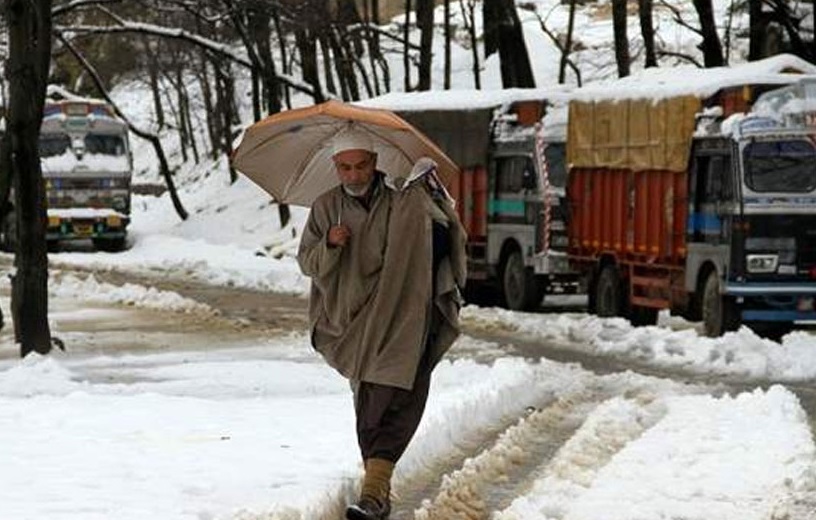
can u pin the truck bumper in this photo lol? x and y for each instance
(786, 302)
(61, 228)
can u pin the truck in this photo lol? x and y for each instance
(700, 202)
(510, 146)
(87, 168)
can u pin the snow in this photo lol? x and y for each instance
(80, 213)
(224, 425)
(90, 163)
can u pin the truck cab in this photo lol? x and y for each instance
(87, 168)
(526, 225)
(752, 221)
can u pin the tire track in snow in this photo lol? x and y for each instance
(494, 477)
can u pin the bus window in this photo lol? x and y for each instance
(104, 144)
(52, 145)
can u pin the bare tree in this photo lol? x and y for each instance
(619, 21)
(448, 36)
(29, 33)
(567, 49)
(425, 22)
(469, 14)
(503, 34)
(406, 53)
(711, 46)
(647, 31)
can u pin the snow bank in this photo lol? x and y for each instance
(88, 289)
(740, 353)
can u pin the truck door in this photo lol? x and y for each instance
(513, 207)
(712, 196)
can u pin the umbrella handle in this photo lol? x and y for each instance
(340, 213)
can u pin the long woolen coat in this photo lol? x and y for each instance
(371, 301)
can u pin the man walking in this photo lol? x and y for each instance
(386, 259)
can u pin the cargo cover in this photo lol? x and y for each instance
(632, 134)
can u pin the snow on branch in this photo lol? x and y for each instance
(77, 4)
(179, 34)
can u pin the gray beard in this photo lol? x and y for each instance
(357, 192)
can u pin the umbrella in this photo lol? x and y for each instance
(289, 154)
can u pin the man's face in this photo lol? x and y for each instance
(355, 168)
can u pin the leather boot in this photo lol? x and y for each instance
(375, 500)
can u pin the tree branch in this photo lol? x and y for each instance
(179, 34)
(78, 4)
(678, 18)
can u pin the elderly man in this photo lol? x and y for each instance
(386, 265)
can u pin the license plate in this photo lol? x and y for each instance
(805, 304)
(83, 230)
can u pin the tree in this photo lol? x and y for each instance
(619, 22)
(469, 14)
(447, 79)
(29, 36)
(425, 22)
(503, 34)
(711, 46)
(647, 31)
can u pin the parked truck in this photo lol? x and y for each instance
(87, 168)
(702, 203)
(511, 187)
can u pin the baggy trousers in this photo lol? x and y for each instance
(388, 417)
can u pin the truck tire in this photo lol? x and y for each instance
(720, 313)
(608, 293)
(520, 288)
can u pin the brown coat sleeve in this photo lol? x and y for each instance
(315, 257)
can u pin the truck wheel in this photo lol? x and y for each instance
(520, 288)
(720, 313)
(608, 294)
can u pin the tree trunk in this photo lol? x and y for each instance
(711, 46)
(756, 31)
(29, 39)
(155, 88)
(562, 67)
(621, 39)
(448, 36)
(469, 14)
(425, 22)
(261, 34)
(406, 56)
(647, 31)
(328, 74)
(287, 69)
(503, 33)
(307, 47)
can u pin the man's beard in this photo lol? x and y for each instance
(356, 191)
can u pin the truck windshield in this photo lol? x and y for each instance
(104, 144)
(52, 145)
(780, 166)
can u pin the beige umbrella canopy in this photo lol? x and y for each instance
(289, 154)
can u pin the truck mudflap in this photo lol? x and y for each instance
(787, 302)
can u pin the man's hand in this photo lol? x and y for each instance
(338, 235)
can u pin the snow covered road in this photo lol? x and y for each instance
(189, 412)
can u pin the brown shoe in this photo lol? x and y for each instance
(368, 508)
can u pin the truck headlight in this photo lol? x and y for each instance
(762, 263)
